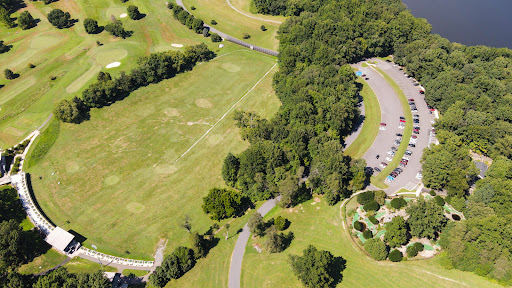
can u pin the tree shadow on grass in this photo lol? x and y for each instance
(336, 270)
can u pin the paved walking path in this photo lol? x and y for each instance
(250, 16)
(235, 267)
(233, 39)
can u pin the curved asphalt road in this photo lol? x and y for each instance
(235, 267)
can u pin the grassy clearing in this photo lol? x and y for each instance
(137, 273)
(43, 143)
(407, 131)
(321, 225)
(233, 23)
(77, 265)
(74, 57)
(120, 186)
(45, 261)
(26, 224)
(370, 125)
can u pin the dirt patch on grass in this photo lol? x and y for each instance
(111, 180)
(135, 207)
(203, 103)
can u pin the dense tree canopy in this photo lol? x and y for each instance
(223, 203)
(91, 26)
(174, 266)
(317, 268)
(59, 18)
(426, 218)
(397, 233)
(376, 248)
(26, 21)
(116, 29)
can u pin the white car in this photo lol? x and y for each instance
(382, 128)
(389, 159)
(419, 175)
(382, 165)
(412, 141)
(392, 153)
(401, 127)
(406, 157)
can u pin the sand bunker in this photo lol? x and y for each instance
(177, 45)
(113, 64)
(123, 15)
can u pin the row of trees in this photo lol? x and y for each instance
(57, 278)
(150, 69)
(187, 19)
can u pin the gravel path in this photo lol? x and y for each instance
(235, 267)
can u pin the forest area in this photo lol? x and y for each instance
(471, 86)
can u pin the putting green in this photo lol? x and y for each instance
(116, 11)
(109, 55)
(80, 81)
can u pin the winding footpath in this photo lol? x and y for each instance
(233, 39)
(250, 16)
(235, 267)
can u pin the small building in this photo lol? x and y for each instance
(60, 239)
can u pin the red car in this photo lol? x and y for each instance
(414, 136)
(403, 121)
(422, 92)
(382, 124)
(411, 100)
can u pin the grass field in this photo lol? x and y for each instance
(370, 125)
(74, 57)
(233, 23)
(46, 261)
(77, 265)
(407, 131)
(120, 185)
(321, 226)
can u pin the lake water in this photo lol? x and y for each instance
(470, 22)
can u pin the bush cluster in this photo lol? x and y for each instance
(398, 203)
(371, 206)
(188, 19)
(367, 234)
(359, 226)
(395, 256)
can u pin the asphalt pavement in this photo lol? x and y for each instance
(408, 179)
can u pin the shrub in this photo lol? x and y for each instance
(59, 18)
(246, 36)
(395, 256)
(358, 226)
(192, 8)
(4, 48)
(30, 65)
(170, 5)
(371, 206)
(365, 197)
(116, 29)
(9, 75)
(281, 223)
(373, 220)
(439, 200)
(380, 197)
(91, 26)
(432, 193)
(26, 21)
(263, 28)
(376, 248)
(215, 37)
(133, 12)
(124, 1)
(412, 251)
(398, 203)
(213, 22)
(367, 234)
(419, 246)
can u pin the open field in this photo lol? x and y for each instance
(321, 226)
(234, 24)
(370, 125)
(120, 185)
(73, 56)
(77, 265)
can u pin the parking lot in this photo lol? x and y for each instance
(391, 111)
(408, 178)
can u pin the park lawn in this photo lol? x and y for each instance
(45, 261)
(137, 273)
(371, 122)
(407, 131)
(79, 265)
(122, 186)
(74, 58)
(245, 7)
(233, 23)
(321, 225)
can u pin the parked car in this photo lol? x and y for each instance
(414, 136)
(383, 164)
(377, 169)
(392, 153)
(402, 118)
(422, 92)
(393, 148)
(415, 116)
(408, 152)
(410, 100)
(399, 135)
(393, 174)
(416, 120)
(412, 145)
(402, 121)
(389, 159)
(406, 157)
(397, 142)
(415, 131)
(416, 127)
(414, 111)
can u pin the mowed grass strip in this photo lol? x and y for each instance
(45, 261)
(321, 225)
(371, 122)
(407, 131)
(114, 178)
